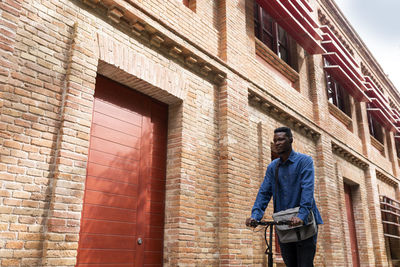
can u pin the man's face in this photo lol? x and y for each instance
(282, 143)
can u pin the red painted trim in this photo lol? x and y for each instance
(352, 226)
(343, 78)
(382, 118)
(335, 59)
(306, 4)
(378, 102)
(304, 17)
(329, 35)
(305, 9)
(396, 114)
(332, 47)
(388, 116)
(373, 85)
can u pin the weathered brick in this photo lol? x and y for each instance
(5, 193)
(19, 154)
(33, 245)
(30, 236)
(5, 210)
(27, 253)
(24, 179)
(35, 228)
(219, 136)
(10, 262)
(7, 235)
(12, 202)
(14, 245)
(31, 262)
(18, 227)
(26, 220)
(16, 169)
(30, 203)
(21, 194)
(3, 226)
(8, 177)
(12, 144)
(32, 188)
(59, 262)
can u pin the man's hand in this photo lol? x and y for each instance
(295, 221)
(250, 222)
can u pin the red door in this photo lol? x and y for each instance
(352, 225)
(123, 211)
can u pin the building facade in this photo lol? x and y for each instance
(138, 132)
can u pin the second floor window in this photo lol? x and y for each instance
(187, 3)
(268, 31)
(375, 128)
(337, 95)
(397, 143)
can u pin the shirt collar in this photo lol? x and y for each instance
(291, 158)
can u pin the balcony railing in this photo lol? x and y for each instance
(390, 210)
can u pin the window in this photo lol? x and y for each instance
(268, 31)
(337, 95)
(390, 210)
(375, 128)
(191, 4)
(397, 143)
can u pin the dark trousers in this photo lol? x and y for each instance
(299, 254)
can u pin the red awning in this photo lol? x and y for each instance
(382, 118)
(305, 9)
(371, 85)
(328, 35)
(335, 59)
(339, 55)
(303, 16)
(380, 101)
(376, 103)
(331, 47)
(396, 115)
(306, 4)
(383, 104)
(341, 76)
(345, 69)
(297, 25)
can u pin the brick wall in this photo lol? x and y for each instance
(199, 26)
(223, 106)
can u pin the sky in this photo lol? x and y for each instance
(377, 22)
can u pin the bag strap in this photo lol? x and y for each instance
(276, 183)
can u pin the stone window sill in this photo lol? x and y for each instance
(378, 145)
(340, 115)
(271, 58)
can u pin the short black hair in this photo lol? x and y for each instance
(286, 130)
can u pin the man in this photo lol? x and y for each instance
(295, 189)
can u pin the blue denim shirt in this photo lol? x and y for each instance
(295, 188)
